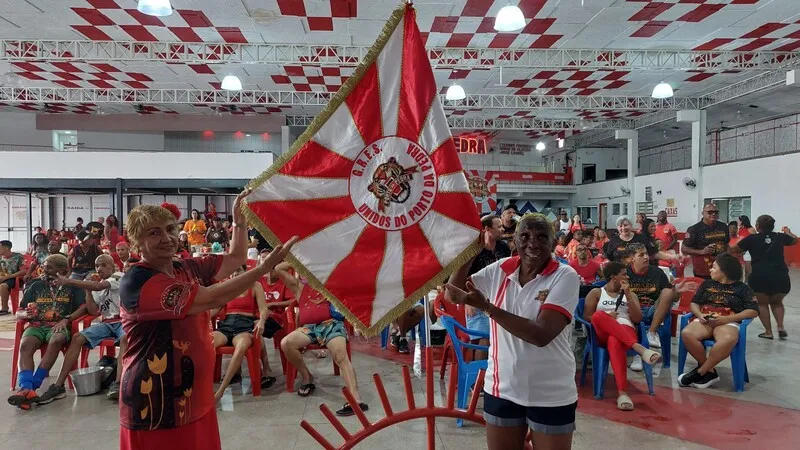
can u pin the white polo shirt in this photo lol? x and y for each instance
(518, 371)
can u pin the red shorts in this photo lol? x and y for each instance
(201, 434)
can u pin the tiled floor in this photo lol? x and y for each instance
(767, 414)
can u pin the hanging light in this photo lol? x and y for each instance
(540, 146)
(158, 8)
(509, 18)
(560, 143)
(662, 90)
(455, 92)
(231, 83)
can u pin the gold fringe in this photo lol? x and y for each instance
(336, 101)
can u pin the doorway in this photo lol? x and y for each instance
(602, 215)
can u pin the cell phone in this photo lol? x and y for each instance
(708, 316)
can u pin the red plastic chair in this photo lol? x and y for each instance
(13, 296)
(291, 371)
(107, 347)
(253, 357)
(683, 305)
(19, 329)
(443, 308)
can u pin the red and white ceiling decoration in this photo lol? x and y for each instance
(744, 25)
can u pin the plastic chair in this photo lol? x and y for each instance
(13, 296)
(107, 347)
(467, 371)
(738, 362)
(664, 336)
(291, 371)
(418, 330)
(18, 330)
(683, 305)
(443, 308)
(600, 357)
(253, 356)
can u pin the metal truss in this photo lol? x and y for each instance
(311, 99)
(342, 56)
(505, 124)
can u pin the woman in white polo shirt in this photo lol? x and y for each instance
(530, 381)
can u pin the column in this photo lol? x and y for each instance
(119, 209)
(698, 119)
(286, 139)
(632, 136)
(29, 219)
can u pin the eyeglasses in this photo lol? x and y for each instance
(713, 213)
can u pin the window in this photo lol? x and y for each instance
(615, 209)
(624, 209)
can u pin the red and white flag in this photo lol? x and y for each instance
(374, 187)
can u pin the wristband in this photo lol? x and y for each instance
(489, 310)
(235, 225)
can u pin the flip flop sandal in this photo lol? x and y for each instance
(764, 336)
(624, 403)
(782, 335)
(309, 388)
(322, 354)
(651, 357)
(267, 382)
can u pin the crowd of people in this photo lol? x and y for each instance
(158, 294)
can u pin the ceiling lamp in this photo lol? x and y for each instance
(231, 83)
(455, 92)
(509, 18)
(158, 8)
(540, 146)
(662, 90)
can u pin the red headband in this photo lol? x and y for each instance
(173, 209)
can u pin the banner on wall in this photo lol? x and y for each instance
(483, 188)
(513, 148)
(671, 209)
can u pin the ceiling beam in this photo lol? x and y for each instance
(519, 124)
(343, 56)
(210, 97)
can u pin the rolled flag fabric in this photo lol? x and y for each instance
(374, 187)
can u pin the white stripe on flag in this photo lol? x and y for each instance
(389, 77)
(446, 236)
(324, 250)
(281, 187)
(435, 131)
(390, 277)
(339, 134)
(454, 182)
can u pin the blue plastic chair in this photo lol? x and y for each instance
(600, 358)
(414, 332)
(738, 362)
(467, 371)
(664, 335)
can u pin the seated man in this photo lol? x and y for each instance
(588, 269)
(35, 270)
(10, 268)
(405, 323)
(244, 320)
(49, 309)
(123, 257)
(278, 298)
(317, 322)
(719, 306)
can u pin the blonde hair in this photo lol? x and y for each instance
(145, 216)
(59, 262)
(105, 258)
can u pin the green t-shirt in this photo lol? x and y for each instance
(11, 264)
(48, 305)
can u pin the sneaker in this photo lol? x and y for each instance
(54, 392)
(636, 364)
(347, 410)
(653, 339)
(395, 340)
(686, 379)
(113, 391)
(704, 381)
(402, 347)
(23, 398)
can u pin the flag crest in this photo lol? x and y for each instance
(374, 187)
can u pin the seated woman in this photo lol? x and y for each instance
(719, 306)
(613, 310)
(244, 321)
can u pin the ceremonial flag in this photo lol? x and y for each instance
(483, 187)
(374, 187)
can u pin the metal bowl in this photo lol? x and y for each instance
(89, 380)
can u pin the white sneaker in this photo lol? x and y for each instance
(653, 339)
(636, 364)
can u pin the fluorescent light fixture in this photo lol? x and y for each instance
(540, 146)
(560, 143)
(509, 18)
(231, 83)
(247, 135)
(68, 132)
(455, 92)
(158, 8)
(662, 90)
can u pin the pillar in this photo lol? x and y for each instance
(286, 139)
(697, 117)
(119, 210)
(632, 136)
(29, 219)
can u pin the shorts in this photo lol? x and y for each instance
(200, 434)
(541, 419)
(478, 322)
(80, 276)
(99, 332)
(271, 327)
(733, 324)
(324, 332)
(11, 283)
(44, 333)
(648, 312)
(234, 324)
(770, 283)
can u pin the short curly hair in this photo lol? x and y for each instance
(145, 216)
(58, 261)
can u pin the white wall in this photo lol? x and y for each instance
(129, 141)
(20, 129)
(602, 158)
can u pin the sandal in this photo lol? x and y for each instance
(322, 354)
(764, 336)
(306, 389)
(267, 382)
(4, 312)
(782, 335)
(651, 357)
(624, 403)
(347, 410)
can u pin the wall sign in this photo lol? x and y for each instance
(671, 209)
(513, 148)
(470, 145)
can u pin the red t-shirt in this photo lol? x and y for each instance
(588, 273)
(167, 371)
(314, 307)
(276, 292)
(245, 303)
(570, 252)
(666, 234)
